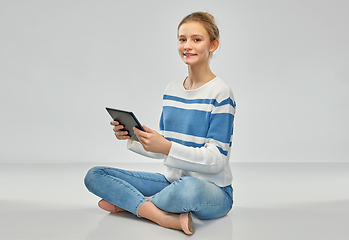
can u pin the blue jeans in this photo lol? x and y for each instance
(129, 189)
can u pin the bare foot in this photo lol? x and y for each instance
(107, 206)
(187, 223)
(182, 221)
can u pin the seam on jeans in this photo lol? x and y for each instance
(211, 205)
(138, 205)
(108, 176)
(118, 170)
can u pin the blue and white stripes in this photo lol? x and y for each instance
(195, 122)
(200, 125)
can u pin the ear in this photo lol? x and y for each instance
(214, 45)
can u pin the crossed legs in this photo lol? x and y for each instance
(149, 211)
(151, 196)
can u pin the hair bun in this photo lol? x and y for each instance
(212, 17)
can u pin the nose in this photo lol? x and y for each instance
(187, 45)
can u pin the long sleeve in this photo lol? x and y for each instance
(136, 147)
(206, 159)
(200, 125)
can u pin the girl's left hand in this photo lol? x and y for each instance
(152, 141)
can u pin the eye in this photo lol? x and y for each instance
(197, 40)
(181, 40)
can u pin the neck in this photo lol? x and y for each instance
(198, 76)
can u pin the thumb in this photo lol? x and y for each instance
(147, 129)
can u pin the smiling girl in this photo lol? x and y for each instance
(195, 139)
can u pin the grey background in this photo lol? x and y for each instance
(63, 62)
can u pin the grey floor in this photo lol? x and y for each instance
(272, 201)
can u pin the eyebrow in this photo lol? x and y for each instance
(194, 35)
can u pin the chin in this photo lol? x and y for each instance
(188, 62)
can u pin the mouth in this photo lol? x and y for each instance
(189, 54)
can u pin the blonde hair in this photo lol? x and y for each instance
(206, 19)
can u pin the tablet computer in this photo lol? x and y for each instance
(128, 119)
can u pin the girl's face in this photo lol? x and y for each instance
(194, 44)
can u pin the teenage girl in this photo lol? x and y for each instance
(195, 139)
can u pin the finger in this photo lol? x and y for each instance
(146, 128)
(149, 130)
(114, 123)
(139, 133)
(118, 128)
(136, 130)
(122, 135)
(141, 140)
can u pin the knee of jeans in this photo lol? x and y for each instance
(192, 189)
(90, 176)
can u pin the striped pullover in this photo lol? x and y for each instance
(200, 124)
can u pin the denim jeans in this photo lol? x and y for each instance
(129, 189)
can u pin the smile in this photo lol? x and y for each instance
(189, 54)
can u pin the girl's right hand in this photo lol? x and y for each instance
(118, 132)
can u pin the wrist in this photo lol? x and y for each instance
(167, 148)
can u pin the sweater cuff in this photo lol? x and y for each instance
(174, 157)
(137, 147)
